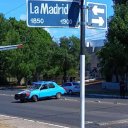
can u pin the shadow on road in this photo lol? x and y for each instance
(30, 101)
(72, 95)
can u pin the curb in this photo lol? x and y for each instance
(19, 122)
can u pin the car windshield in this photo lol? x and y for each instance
(35, 86)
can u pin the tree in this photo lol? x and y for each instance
(40, 55)
(26, 62)
(3, 62)
(113, 60)
(114, 54)
(120, 1)
(70, 54)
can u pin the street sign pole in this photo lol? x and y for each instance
(82, 64)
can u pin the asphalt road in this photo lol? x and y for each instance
(106, 113)
(65, 111)
(100, 112)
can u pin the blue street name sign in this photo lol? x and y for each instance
(97, 15)
(44, 13)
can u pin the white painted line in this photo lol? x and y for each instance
(70, 99)
(6, 95)
(50, 124)
(66, 99)
(12, 117)
(113, 122)
(88, 122)
(28, 120)
(106, 102)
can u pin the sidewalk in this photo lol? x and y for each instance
(15, 122)
(96, 91)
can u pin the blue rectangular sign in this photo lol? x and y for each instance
(44, 13)
(97, 15)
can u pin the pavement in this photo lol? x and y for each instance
(15, 122)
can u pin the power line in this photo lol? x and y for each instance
(90, 37)
(15, 8)
(99, 38)
(96, 36)
(99, 33)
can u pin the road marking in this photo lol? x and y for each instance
(50, 124)
(108, 123)
(6, 95)
(106, 102)
(68, 99)
(88, 122)
(113, 122)
(75, 100)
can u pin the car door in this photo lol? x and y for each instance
(52, 89)
(44, 91)
(67, 86)
(76, 87)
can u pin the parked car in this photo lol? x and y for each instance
(41, 89)
(71, 87)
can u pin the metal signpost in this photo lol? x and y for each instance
(82, 64)
(52, 13)
(96, 18)
(97, 15)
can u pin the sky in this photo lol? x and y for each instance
(18, 9)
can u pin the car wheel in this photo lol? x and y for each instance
(58, 95)
(34, 98)
(70, 92)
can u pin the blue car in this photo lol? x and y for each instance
(41, 89)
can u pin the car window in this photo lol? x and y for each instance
(63, 85)
(51, 85)
(75, 83)
(44, 87)
(35, 86)
(67, 84)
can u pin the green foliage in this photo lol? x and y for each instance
(118, 26)
(120, 1)
(70, 56)
(114, 54)
(40, 55)
(26, 62)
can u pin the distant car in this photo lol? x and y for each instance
(40, 90)
(71, 87)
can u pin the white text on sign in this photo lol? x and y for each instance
(44, 8)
